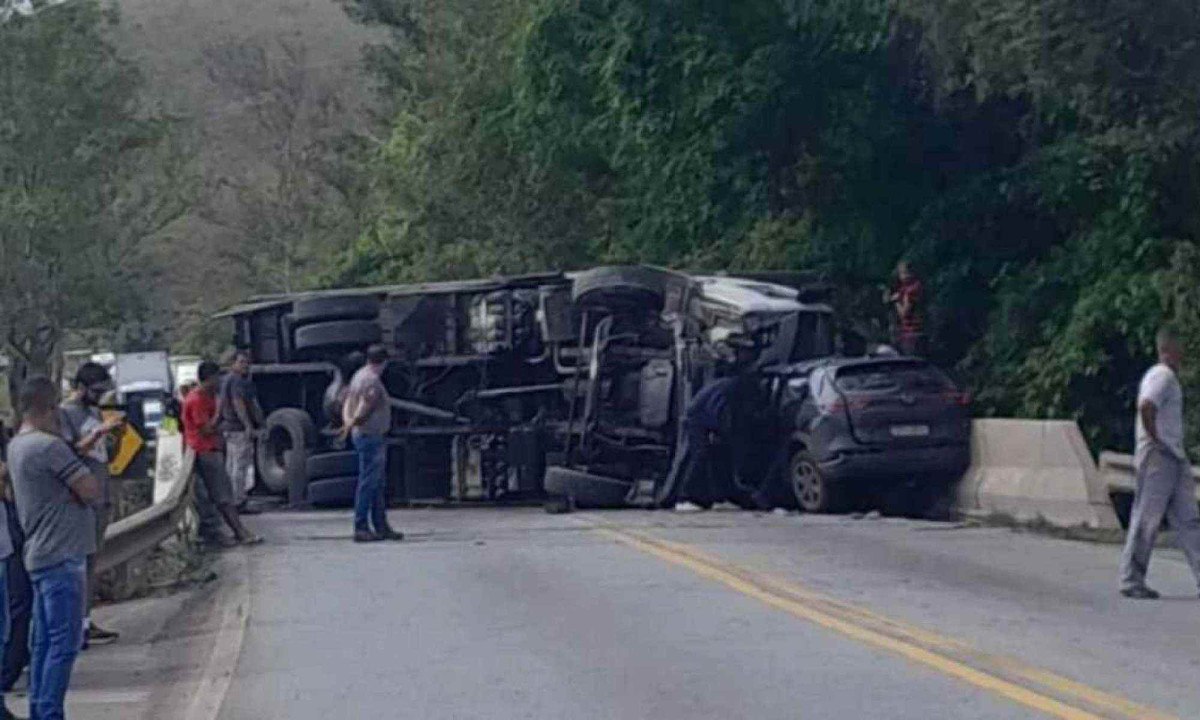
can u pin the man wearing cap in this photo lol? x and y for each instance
(367, 417)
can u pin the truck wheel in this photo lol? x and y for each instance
(282, 453)
(332, 465)
(814, 493)
(332, 492)
(338, 335)
(347, 307)
(620, 286)
(585, 490)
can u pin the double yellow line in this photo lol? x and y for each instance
(1035, 688)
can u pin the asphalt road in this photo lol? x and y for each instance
(511, 613)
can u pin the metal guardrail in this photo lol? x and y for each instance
(1120, 477)
(145, 529)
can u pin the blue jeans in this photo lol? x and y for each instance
(368, 494)
(5, 625)
(58, 599)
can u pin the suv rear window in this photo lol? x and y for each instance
(892, 377)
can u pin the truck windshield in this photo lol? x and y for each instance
(814, 336)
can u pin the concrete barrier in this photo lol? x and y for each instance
(1031, 471)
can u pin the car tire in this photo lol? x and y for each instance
(332, 465)
(620, 286)
(347, 307)
(332, 492)
(585, 490)
(282, 452)
(814, 492)
(336, 336)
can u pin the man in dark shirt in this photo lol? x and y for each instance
(706, 415)
(241, 418)
(55, 493)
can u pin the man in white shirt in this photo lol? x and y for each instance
(1164, 477)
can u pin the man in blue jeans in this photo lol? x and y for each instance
(367, 417)
(54, 492)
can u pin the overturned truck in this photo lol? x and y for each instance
(562, 387)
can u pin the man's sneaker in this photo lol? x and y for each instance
(1140, 592)
(6, 714)
(97, 635)
(365, 536)
(390, 534)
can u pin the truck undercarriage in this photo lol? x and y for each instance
(568, 387)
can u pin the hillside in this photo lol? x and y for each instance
(217, 65)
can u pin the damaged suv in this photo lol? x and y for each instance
(564, 387)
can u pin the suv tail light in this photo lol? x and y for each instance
(842, 405)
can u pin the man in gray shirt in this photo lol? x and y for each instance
(54, 493)
(367, 416)
(86, 430)
(1164, 476)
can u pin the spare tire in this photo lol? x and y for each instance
(620, 286)
(282, 453)
(338, 335)
(332, 492)
(332, 465)
(343, 307)
(585, 490)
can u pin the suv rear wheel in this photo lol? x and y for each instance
(813, 491)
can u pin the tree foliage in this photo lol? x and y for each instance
(1035, 159)
(85, 178)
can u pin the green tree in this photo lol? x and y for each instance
(85, 178)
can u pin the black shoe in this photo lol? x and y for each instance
(365, 536)
(99, 636)
(1140, 593)
(390, 534)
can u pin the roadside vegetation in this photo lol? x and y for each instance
(1036, 160)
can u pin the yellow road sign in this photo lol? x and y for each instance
(129, 444)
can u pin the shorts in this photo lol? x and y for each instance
(210, 466)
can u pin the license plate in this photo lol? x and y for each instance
(910, 431)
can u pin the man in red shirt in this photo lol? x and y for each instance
(201, 435)
(907, 297)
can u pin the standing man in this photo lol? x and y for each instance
(200, 434)
(241, 417)
(1164, 475)
(88, 433)
(6, 551)
(55, 493)
(907, 297)
(367, 417)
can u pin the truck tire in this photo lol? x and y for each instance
(282, 453)
(585, 490)
(332, 465)
(346, 307)
(332, 492)
(813, 491)
(337, 335)
(620, 286)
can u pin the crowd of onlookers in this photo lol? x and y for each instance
(55, 505)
